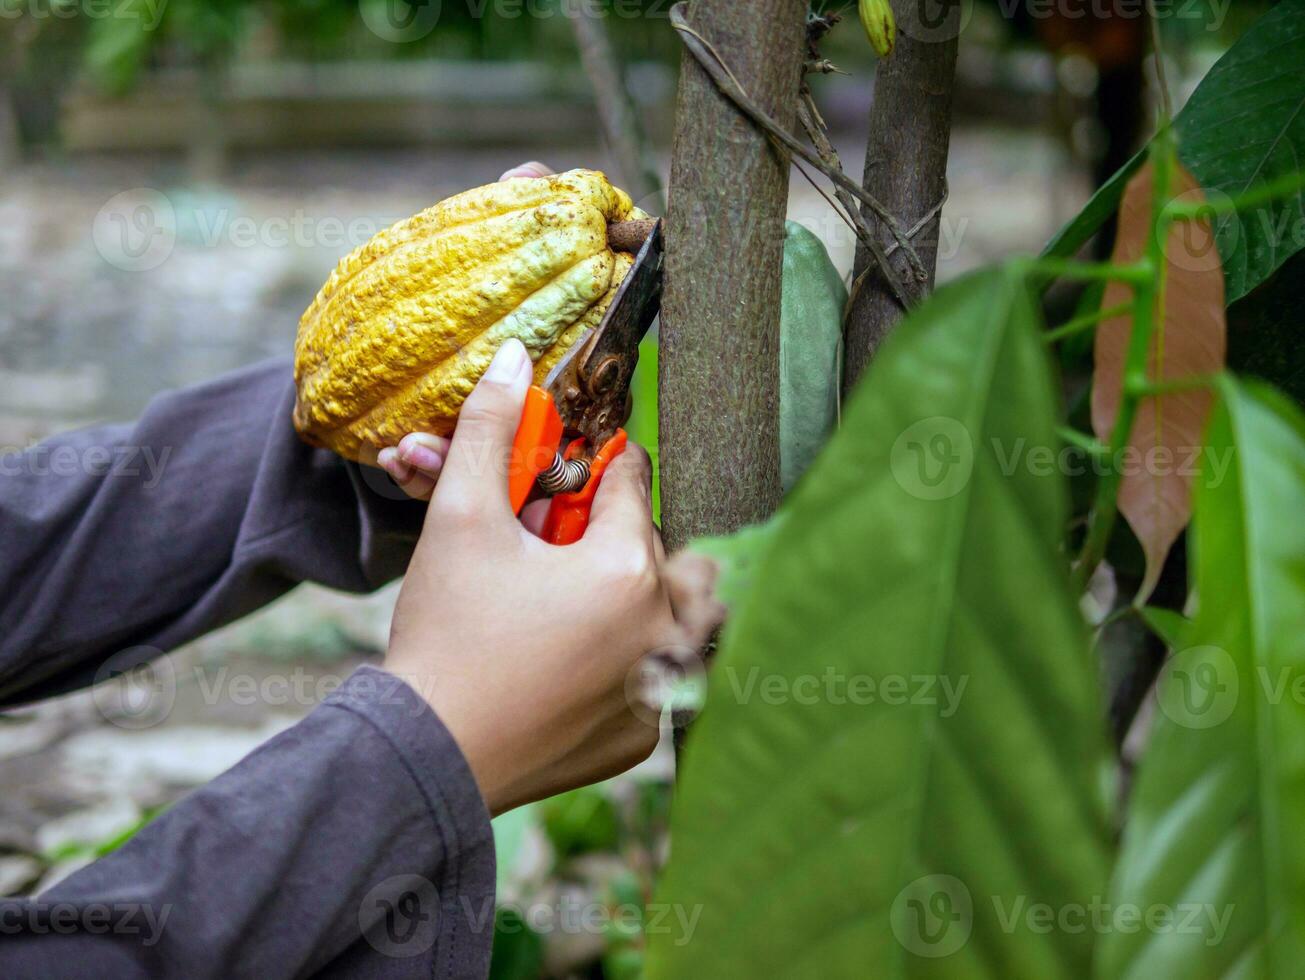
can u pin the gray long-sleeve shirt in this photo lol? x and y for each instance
(353, 844)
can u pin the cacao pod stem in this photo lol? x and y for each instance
(629, 236)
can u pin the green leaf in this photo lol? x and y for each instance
(1219, 801)
(1243, 126)
(738, 556)
(810, 351)
(1096, 212)
(580, 821)
(902, 749)
(518, 952)
(1165, 623)
(116, 49)
(509, 834)
(1266, 330)
(623, 963)
(642, 425)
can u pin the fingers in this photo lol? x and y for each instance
(531, 169)
(622, 507)
(415, 464)
(474, 477)
(690, 583)
(534, 514)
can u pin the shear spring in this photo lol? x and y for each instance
(564, 475)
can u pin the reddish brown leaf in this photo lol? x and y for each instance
(1190, 340)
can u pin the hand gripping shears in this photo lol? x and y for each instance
(586, 396)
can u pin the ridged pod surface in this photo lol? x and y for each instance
(408, 322)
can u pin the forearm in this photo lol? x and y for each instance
(355, 843)
(144, 536)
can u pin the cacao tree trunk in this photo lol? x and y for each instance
(905, 162)
(719, 359)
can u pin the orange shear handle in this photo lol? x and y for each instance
(538, 436)
(535, 445)
(568, 515)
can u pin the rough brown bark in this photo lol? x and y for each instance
(906, 161)
(719, 359)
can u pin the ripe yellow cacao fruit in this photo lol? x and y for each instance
(880, 25)
(408, 322)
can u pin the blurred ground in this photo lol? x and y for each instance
(88, 335)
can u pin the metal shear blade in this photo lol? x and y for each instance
(591, 384)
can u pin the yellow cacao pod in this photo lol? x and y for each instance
(880, 25)
(407, 323)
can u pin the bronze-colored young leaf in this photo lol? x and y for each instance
(1190, 340)
(1243, 127)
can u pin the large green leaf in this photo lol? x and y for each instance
(738, 556)
(1214, 833)
(1266, 330)
(901, 755)
(1243, 126)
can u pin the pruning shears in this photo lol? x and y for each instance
(586, 397)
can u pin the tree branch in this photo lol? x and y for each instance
(905, 166)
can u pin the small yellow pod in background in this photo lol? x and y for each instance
(880, 25)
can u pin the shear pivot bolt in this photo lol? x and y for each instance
(604, 375)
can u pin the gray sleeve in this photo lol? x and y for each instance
(354, 844)
(324, 850)
(122, 542)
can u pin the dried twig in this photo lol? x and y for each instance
(724, 79)
(814, 124)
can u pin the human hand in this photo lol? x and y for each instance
(532, 168)
(524, 648)
(415, 463)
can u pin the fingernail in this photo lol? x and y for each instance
(532, 169)
(392, 463)
(428, 439)
(422, 457)
(509, 363)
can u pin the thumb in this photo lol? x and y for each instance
(622, 508)
(474, 478)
